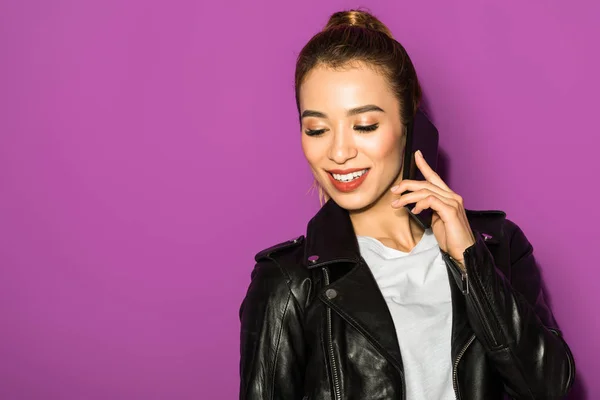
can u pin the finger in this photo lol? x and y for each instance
(428, 173)
(413, 186)
(446, 210)
(416, 196)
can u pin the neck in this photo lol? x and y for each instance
(393, 227)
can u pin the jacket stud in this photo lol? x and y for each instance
(313, 259)
(486, 236)
(331, 293)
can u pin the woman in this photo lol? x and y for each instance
(369, 305)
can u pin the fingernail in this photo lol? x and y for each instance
(394, 188)
(419, 153)
(396, 202)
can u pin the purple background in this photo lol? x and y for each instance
(149, 148)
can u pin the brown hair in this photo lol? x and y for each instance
(356, 36)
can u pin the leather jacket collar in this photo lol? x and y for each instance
(331, 238)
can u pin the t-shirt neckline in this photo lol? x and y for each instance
(426, 242)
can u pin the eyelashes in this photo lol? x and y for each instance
(314, 132)
(359, 128)
(366, 128)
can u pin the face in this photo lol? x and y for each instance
(352, 134)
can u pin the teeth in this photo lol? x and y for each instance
(349, 177)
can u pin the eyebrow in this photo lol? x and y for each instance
(351, 112)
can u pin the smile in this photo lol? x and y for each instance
(350, 176)
(349, 180)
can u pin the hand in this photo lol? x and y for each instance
(449, 221)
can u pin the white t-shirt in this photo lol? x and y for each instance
(416, 289)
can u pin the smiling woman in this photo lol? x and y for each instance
(353, 131)
(369, 305)
(346, 180)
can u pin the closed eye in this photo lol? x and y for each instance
(366, 128)
(314, 132)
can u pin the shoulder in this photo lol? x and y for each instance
(273, 282)
(279, 249)
(489, 223)
(497, 230)
(494, 225)
(282, 264)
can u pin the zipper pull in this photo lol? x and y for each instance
(463, 275)
(465, 283)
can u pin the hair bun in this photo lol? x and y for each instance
(358, 18)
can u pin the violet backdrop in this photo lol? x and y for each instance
(149, 148)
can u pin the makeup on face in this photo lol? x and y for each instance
(350, 133)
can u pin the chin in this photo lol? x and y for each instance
(352, 201)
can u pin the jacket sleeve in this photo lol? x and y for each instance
(513, 321)
(272, 345)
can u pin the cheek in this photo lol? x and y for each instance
(384, 147)
(312, 149)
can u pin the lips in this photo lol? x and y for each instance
(348, 180)
(345, 171)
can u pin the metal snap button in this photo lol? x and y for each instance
(486, 236)
(331, 293)
(313, 259)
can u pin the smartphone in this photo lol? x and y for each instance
(420, 135)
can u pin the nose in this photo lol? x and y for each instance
(342, 147)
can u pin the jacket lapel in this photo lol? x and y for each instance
(359, 301)
(353, 292)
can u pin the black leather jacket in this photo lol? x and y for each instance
(316, 326)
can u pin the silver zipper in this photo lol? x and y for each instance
(487, 329)
(455, 367)
(463, 274)
(334, 372)
(465, 282)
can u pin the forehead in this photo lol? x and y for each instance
(345, 88)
